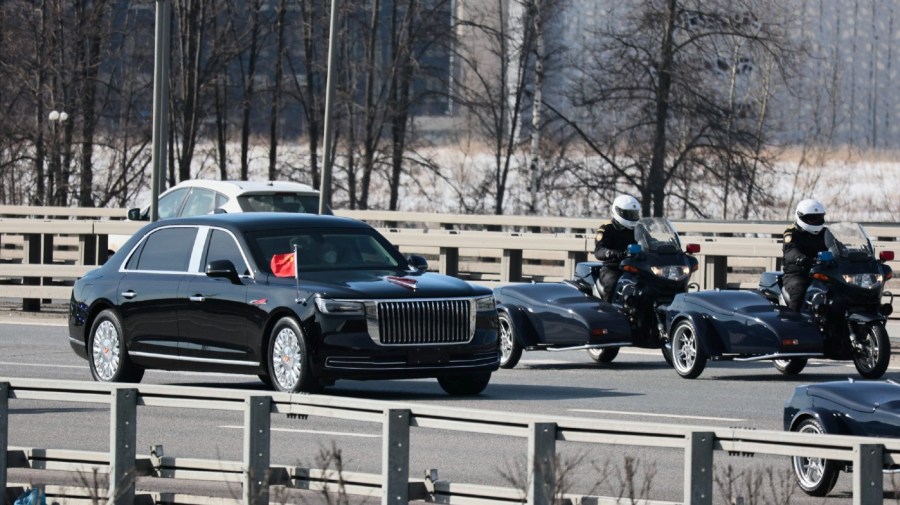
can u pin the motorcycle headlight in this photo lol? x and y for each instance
(865, 281)
(485, 303)
(672, 272)
(340, 307)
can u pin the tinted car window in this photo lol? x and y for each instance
(223, 247)
(167, 250)
(280, 202)
(171, 202)
(326, 249)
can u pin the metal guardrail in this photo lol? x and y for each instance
(394, 485)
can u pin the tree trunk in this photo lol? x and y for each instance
(656, 178)
(276, 91)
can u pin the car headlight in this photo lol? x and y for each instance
(672, 272)
(485, 303)
(340, 307)
(865, 281)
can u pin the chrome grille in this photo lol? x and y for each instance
(424, 322)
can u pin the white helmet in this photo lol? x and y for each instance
(626, 211)
(811, 215)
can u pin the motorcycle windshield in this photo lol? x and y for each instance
(656, 234)
(849, 241)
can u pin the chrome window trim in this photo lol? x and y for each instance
(239, 248)
(144, 239)
(197, 251)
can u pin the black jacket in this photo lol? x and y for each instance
(611, 242)
(800, 248)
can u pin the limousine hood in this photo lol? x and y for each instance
(384, 284)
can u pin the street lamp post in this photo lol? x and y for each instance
(56, 118)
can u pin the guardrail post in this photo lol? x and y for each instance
(122, 442)
(541, 463)
(257, 440)
(572, 258)
(448, 261)
(868, 482)
(31, 254)
(698, 468)
(395, 457)
(511, 265)
(4, 436)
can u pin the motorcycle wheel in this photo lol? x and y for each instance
(688, 357)
(603, 355)
(816, 476)
(510, 350)
(791, 366)
(872, 360)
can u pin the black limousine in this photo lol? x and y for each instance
(300, 300)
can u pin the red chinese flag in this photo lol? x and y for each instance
(284, 265)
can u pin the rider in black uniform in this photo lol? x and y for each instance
(613, 239)
(802, 242)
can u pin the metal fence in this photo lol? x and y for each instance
(395, 484)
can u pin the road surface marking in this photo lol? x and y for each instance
(651, 414)
(21, 322)
(313, 432)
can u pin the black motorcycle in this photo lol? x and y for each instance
(844, 301)
(654, 271)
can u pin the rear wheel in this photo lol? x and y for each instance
(465, 385)
(667, 354)
(603, 355)
(108, 357)
(510, 350)
(688, 358)
(791, 366)
(816, 476)
(874, 354)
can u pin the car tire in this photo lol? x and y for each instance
(667, 353)
(510, 350)
(872, 361)
(288, 358)
(815, 476)
(266, 380)
(603, 355)
(791, 366)
(688, 357)
(107, 352)
(464, 385)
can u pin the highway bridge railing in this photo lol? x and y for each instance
(396, 483)
(41, 253)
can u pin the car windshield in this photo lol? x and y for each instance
(325, 249)
(656, 234)
(279, 202)
(848, 240)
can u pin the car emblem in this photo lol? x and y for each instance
(406, 282)
(261, 301)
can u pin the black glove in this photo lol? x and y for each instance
(804, 263)
(615, 255)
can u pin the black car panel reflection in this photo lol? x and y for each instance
(201, 294)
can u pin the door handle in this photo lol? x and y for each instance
(197, 298)
(129, 294)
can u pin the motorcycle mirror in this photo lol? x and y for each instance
(825, 256)
(693, 248)
(634, 249)
(886, 255)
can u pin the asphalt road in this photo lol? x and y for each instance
(637, 386)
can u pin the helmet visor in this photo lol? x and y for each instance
(813, 219)
(628, 214)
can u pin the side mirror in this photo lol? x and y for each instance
(886, 255)
(135, 215)
(692, 248)
(634, 249)
(223, 269)
(825, 256)
(417, 262)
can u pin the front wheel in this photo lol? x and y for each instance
(791, 366)
(873, 353)
(288, 359)
(816, 476)
(603, 355)
(688, 358)
(464, 385)
(108, 354)
(510, 350)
